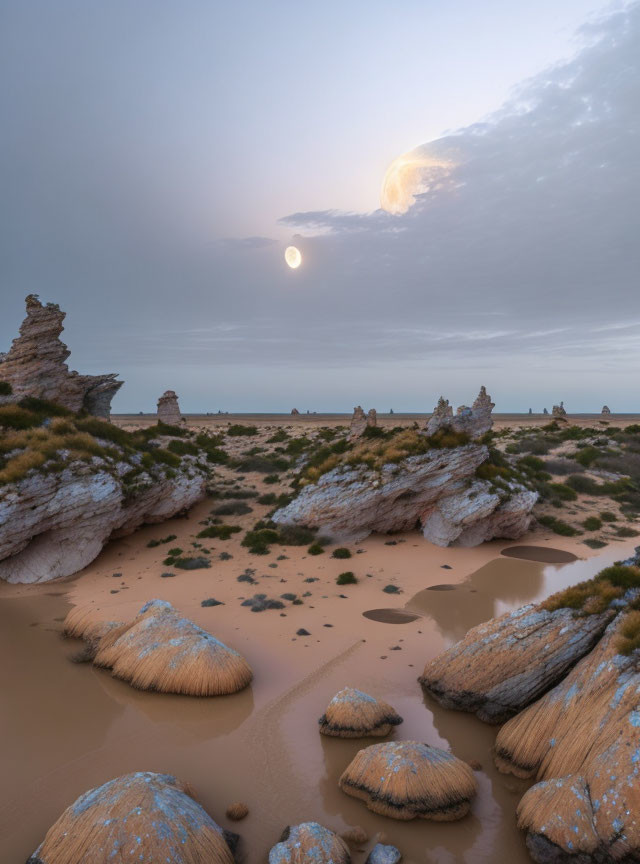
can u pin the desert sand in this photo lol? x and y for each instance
(68, 727)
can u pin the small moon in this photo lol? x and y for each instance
(293, 257)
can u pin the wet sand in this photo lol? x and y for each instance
(65, 727)
(539, 553)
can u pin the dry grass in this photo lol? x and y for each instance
(408, 779)
(161, 651)
(628, 635)
(595, 595)
(354, 714)
(153, 814)
(309, 842)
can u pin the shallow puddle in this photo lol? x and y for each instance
(65, 728)
(543, 554)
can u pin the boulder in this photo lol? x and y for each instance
(407, 780)
(295, 412)
(358, 423)
(309, 841)
(151, 813)
(168, 409)
(606, 411)
(502, 666)
(384, 854)
(436, 489)
(159, 650)
(354, 714)
(559, 412)
(372, 418)
(35, 366)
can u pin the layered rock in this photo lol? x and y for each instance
(437, 490)
(168, 409)
(35, 365)
(559, 412)
(581, 742)
(502, 666)
(54, 524)
(474, 421)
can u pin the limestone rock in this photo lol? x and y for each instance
(54, 524)
(295, 412)
(348, 503)
(606, 410)
(372, 418)
(474, 421)
(307, 842)
(502, 666)
(35, 365)
(358, 423)
(559, 411)
(581, 742)
(168, 409)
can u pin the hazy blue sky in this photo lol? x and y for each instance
(156, 157)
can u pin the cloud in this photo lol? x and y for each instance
(520, 266)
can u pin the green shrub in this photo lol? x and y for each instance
(278, 437)
(5, 388)
(232, 508)
(220, 532)
(564, 492)
(315, 549)
(152, 543)
(594, 543)
(558, 526)
(347, 578)
(592, 523)
(271, 478)
(182, 448)
(624, 531)
(295, 535)
(608, 516)
(237, 430)
(261, 464)
(15, 417)
(268, 498)
(341, 552)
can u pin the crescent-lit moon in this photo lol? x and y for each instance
(293, 257)
(410, 174)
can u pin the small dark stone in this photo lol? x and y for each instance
(302, 632)
(391, 589)
(167, 575)
(445, 567)
(211, 602)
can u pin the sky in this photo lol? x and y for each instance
(157, 157)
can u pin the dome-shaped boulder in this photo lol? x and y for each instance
(160, 650)
(408, 779)
(354, 714)
(307, 842)
(142, 817)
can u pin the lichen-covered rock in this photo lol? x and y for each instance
(502, 666)
(407, 780)
(432, 489)
(582, 741)
(474, 421)
(160, 650)
(142, 817)
(384, 854)
(309, 842)
(54, 524)
(354, 714)
(168, 409)
(35, 365)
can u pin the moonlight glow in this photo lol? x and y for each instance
(293, 257)
(408, 176)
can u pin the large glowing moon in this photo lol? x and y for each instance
(409, 175)
(293, 257)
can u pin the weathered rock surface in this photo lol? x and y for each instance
(582, 741)
(384, 854)
(309, 841)
(559, 412)
(294, 412)
(35, 365)
(168, 409)
(54, 524)
(358, 423)
(372, 418)
(502, 666)
(606, 410)
(474, 421)
(354, 714)
(432, 489)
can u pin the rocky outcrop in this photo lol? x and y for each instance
(606, 411)
(54, 524)
(358, 423)
(372, 418)
(502, 666)
(35, 366)
(168, 409)
(295, 412)
(437, 490)
(474, 421)
(559, 412)
(581, 742)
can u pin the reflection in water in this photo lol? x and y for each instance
(543, 554)
(475, 600)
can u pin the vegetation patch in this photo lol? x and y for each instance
(219, 532)
(347, 578)
(341, 552)
(558, 526)
(237, 430)
(152, 543)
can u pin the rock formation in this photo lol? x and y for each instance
(559, 412)
(606, 410)
(493, 671)
(354, 714)
(35, 366)
(295, 412)
(372, 418)
(168, 409)
(407, 780)
(474, 421)
(309, 842)
(545, 411)
(358, 423)
(159, 650)
(437, 489)
(143, 817)
(54, 523)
